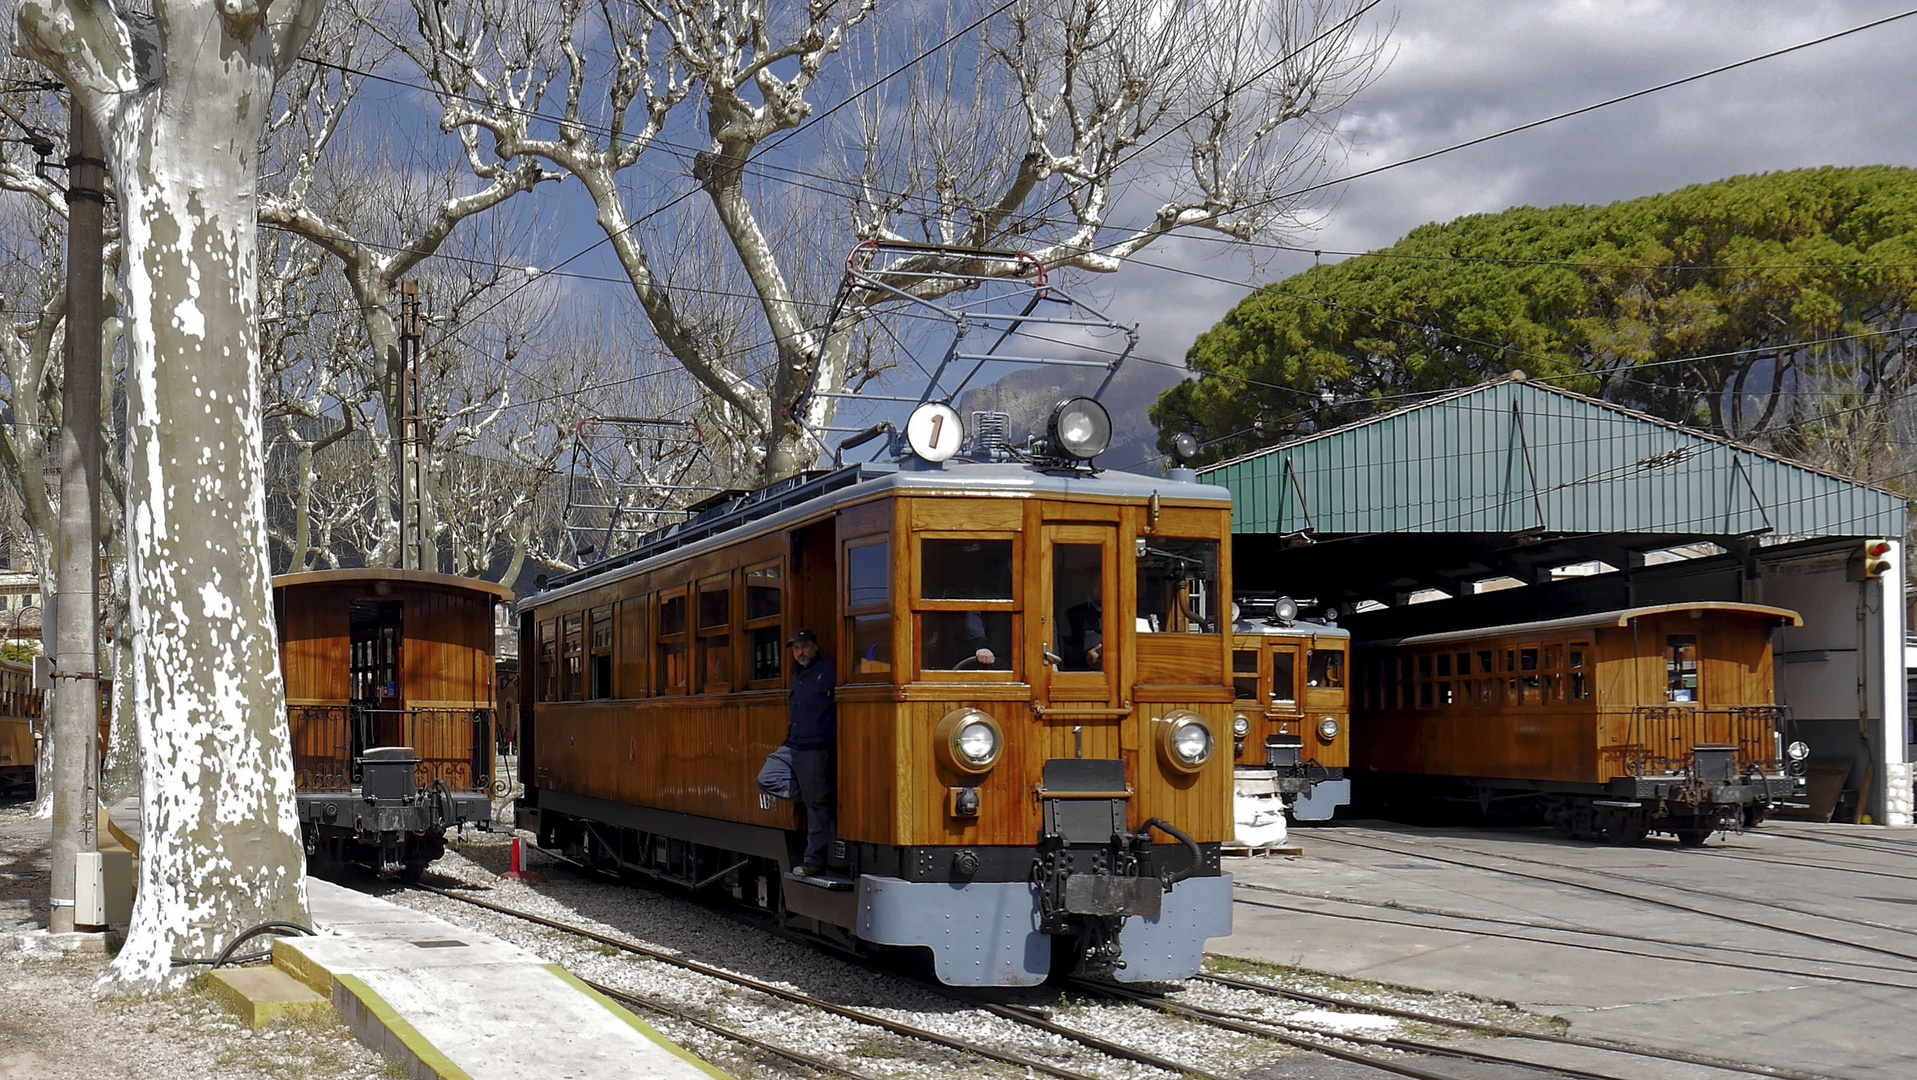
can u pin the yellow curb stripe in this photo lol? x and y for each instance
(428, 1054)
(637, 1024)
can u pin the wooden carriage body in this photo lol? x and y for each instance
(662, 684)
(1579, 703)
(386, 658)
(20, 721)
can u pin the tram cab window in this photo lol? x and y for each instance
(1284, 677)
(1244, 674)
(1680, 668)
(1325, 669)
(1078, 605)
(868, 603)
(967, 605)
(1177, 586)
(965, 640)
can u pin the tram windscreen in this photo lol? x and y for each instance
(1178, 586)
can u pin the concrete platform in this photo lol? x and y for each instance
(428, 994)
(1811, 978)
(263, 995)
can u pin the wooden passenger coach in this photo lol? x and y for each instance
(1291, 731)
(1653, 718)
(1076, 616)
(391, 669)
(20, 723)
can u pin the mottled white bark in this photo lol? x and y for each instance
(183, 98)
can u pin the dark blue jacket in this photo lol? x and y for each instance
(815, 716)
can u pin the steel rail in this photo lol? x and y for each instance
(1317, 1043)
(896, 1027)
(1414, 909)
(1640, 898)
(1333, 1002)
(799, 1057)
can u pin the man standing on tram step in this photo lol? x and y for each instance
(814, 739)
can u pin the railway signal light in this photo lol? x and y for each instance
(1876, 558)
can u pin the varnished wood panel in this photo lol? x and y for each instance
(967, 515)
(1182, 659)
(314, 642)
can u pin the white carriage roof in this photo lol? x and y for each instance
(1623, 617)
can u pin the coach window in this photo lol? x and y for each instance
(715, 635)
(967, 606)
(1424, 681)
(1465, 696)
(1244, 674)
(672, 642)
(1528, 681)
(764, 603)
(868, 610)
(1487, 684)
(573, 655)
(1443, 695)
(1680, 667)
(1177, 586)
(547, 687)
(602, 653)
(1580, 689)
(1284, 678)
(1552, 662)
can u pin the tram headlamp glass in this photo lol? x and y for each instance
(1240, 726)
(1080, 428)
(969, 741)
(1797, 751)
(978, 743)
(1185, 741)
(1328, 729)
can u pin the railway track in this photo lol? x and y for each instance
(1639, 896)
(1388, 1055)
(1794, 958)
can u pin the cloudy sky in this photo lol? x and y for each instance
(1466, 68)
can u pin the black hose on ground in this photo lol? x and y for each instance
(226, 955)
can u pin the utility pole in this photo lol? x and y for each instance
(76, 686)
(412, 494)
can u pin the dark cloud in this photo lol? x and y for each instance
(1466, 69)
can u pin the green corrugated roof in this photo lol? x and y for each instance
(1512, 456)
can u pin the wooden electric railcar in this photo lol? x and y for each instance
(389, 697)
(1616, 724)
(1291, 731)
(20, 727)
(1010, 797)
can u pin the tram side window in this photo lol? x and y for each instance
(1553, 664)
(1529, 683)
(1424, 682)
(573, 655)
(548, 652)
(1487, 687)
(715, 636)
(602, 653)
(1465, 696)
(868, 606)
(1680, 667)
(1177, 586)
(1579, 686)
(672, 643)
(967, 605)
(764, 605)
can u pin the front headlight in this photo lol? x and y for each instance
(1080, 428)
(1240, 726)
(969, 741)
(1185, 741)
(1328, 729)
(1797, 751)
(978, 743)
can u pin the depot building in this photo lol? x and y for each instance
(1514, 502)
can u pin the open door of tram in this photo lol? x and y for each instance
(379, 697)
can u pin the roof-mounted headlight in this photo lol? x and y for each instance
(1080, 428)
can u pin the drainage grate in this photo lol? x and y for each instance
(447, 944)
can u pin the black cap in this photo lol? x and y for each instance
(804, 635)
